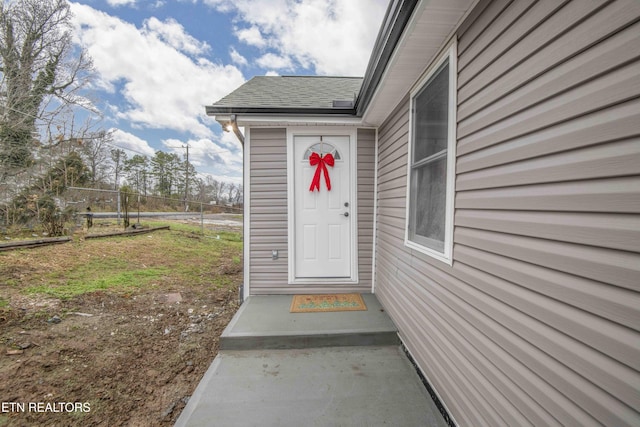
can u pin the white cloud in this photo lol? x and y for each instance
(172, 33)
(134, 3)
(334, 37)
(271, 60)
(116, 3)
(237, 58)
(271, 73)
(131, 143)
(164, 87)
(224, 155)
(250, 36)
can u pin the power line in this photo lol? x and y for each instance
(222, 150)
(129, 149)
(111, 144)
(26, 114)
(55, 122)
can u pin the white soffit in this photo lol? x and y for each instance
(430, 27)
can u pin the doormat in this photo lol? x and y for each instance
(324, 303)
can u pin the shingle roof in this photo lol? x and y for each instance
(291, 93)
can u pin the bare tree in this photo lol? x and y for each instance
(231, 192)
(219, 189)
(41, 72)
(119, 157)
(201, 188)
(95, 151)
(239, 197)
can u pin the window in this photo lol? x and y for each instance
(432, 160)
(322, 148)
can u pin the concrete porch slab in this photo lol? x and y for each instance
(335, 386)
(264, 322)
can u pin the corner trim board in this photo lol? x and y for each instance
(246, 229)
(375, 213)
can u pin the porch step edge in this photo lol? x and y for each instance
(300, 341)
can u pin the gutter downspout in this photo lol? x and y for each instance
(234, 126)
(236, 130)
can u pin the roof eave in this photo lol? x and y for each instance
(424, 26)
(396, 18)
(288, 111)
(286, 120)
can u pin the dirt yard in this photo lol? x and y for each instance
(115, 354)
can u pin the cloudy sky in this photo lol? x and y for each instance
(159, 62)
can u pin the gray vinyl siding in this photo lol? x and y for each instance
(268, 228)
(366, 171)
(268, 209)
(537, 322)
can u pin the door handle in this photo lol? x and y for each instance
(346, 214)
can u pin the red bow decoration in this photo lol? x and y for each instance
(322, 162)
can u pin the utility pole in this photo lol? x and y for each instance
(186, 183)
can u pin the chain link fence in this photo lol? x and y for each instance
(79, 206)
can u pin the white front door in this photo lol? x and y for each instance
(322, 217)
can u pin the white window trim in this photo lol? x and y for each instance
(292, 132)
(446, 256)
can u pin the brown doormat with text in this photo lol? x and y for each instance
(322, 303)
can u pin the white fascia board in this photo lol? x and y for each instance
(397, 79)
(245, 120)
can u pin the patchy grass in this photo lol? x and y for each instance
(126, 264)
(121, 281)
(120, 342)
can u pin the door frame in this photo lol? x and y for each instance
(292, 132)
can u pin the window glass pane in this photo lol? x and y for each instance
(322, 148)
(431, 115)
(428, 200)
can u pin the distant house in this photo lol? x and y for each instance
(485, 184)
